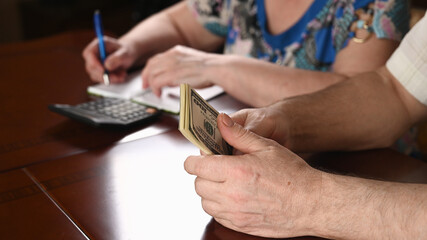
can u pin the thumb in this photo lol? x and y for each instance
(238, 137)
(118, 60)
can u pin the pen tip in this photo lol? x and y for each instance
(97, 11)
(106, 79)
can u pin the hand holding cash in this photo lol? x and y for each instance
(197, 122)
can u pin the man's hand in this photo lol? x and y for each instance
(268, 122)
(267, 191)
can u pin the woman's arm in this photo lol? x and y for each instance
(172, 26)
(259, 84)
(256, 82)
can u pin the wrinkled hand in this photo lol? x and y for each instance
(180, 65)
(268, 191)
(268, 122)
(120, 57)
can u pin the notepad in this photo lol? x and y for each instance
(132, 89)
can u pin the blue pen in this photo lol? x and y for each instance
(100, 35)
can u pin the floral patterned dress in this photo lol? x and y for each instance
(311, 43)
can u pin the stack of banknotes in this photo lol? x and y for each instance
(197, 122)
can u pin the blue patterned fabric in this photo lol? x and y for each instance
(312, 42)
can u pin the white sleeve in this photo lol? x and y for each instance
(408, 64)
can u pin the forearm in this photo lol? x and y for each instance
(172, 26)
(360, 113)
(356, 208)
(244, 76)
(260, 83)
(153, 35)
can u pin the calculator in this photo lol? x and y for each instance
(112, 112)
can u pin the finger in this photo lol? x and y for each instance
(119, 59)
(95, 70)
(92, 63)
(225, 223)
(212, 167)
(91, 54)
(207, 189)
(238, 137)
(118, 76)
(240, 117)
(240, 227)
(154, 63)
(152, 69)
(213, 208)
(164, 79)
(111, 44)
(174, 75)
(145, 83)
(91, 49)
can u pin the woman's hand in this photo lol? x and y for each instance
(181, 65)
(120, 58)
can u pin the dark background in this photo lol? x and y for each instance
(30, 19)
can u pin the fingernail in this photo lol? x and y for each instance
(227, 120)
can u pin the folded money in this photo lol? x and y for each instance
(197, 122)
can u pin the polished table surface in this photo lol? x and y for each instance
(61, 179)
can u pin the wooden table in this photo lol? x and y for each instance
(61, 179)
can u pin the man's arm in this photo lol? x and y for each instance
(368, 111)
(357, 208)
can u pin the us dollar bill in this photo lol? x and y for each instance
(198, 123)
